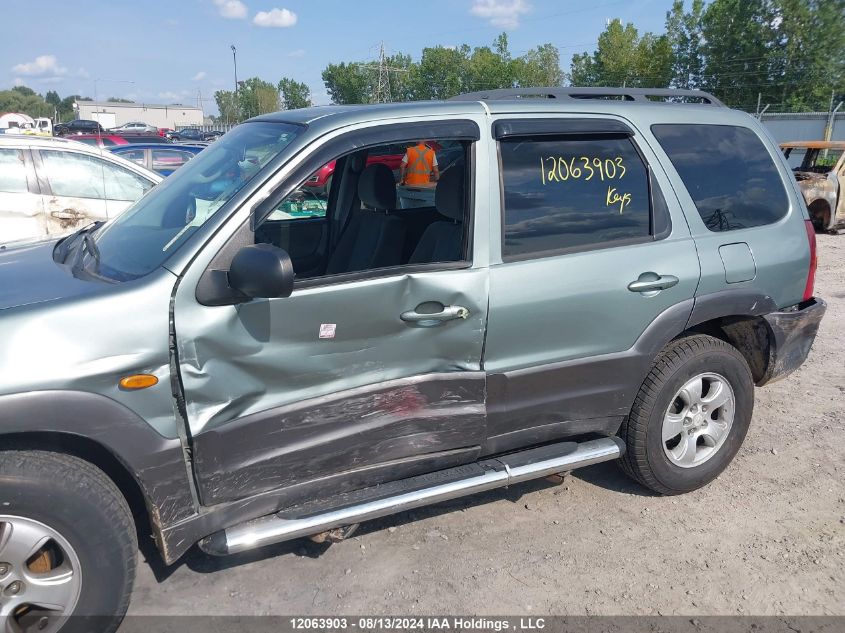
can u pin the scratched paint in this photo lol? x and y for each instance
(238, 361)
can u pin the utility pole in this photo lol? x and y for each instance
(382, 92)
(383, 85)
(235, 60)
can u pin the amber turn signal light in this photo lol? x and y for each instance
(138, 381)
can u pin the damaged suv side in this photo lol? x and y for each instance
(592, 275)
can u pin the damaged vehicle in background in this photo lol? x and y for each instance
(52, 186)
(235, 362)
(821, 178)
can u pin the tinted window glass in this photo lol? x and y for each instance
(12, 171)
(728, 173)
(572, 192)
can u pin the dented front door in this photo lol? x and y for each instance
(331, 386)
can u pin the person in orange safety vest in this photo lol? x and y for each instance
(419, 165)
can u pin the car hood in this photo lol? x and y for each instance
(28, 275)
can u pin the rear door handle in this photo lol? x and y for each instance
(433, 319)
(652, 283)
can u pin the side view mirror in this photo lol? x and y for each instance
(262, 271)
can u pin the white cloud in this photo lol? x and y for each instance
(18, 81)
(231, 9)
(501, 13)
(199, 76)
(42, 65)
(275, 18)
(299, 52)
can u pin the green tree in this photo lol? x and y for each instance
(25, 91)
(347, 83)
(52, 97)
(295, 94)
(118, 100)
(808, 56)
(739, 36)
(227, 106)
(256, 96)
(623, 58)
(686, 39)
(66, 111)
(441, 73)
(539, 67)
(26, 101)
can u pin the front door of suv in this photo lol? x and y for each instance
(597, 265)
(339, 386)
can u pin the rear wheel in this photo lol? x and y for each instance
(690, 416)
(67, 545)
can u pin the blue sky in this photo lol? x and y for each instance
(174, 51)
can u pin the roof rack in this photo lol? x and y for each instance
(646, 95)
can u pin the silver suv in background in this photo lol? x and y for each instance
(600, 274)
(52, 186)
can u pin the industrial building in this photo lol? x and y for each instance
(111, 114)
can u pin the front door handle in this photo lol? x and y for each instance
(433, 319)
(652, 283)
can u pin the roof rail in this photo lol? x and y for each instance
(647, 95)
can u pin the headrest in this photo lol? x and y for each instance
(377, 187)
(449, 195)
(356, 162)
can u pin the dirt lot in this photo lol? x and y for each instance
(768, 537)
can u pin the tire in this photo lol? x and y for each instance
(74, 502)
(710, 435)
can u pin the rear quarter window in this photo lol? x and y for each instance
(728, 173)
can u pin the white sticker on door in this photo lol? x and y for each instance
(327, 330)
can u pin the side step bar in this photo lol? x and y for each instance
(416, 492)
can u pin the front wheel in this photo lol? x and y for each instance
(67, 545)
(690, 416)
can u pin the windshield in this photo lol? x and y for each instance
(140, 239)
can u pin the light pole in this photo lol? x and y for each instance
(235, 60)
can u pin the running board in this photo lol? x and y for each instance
(414, 492)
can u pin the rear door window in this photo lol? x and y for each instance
(73, 175)
(728, 173)
(12, 171)
(170, 158)
(572, 192)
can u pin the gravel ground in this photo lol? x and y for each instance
(766, 538)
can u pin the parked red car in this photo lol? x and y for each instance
(99, 140)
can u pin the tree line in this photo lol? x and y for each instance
(787, 54)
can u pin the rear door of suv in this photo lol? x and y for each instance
(596, 269)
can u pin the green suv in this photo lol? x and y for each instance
(604, 274)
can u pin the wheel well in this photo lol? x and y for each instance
(96, 454)
(748, 334)
(819, 213)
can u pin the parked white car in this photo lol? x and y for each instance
(51, 186)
